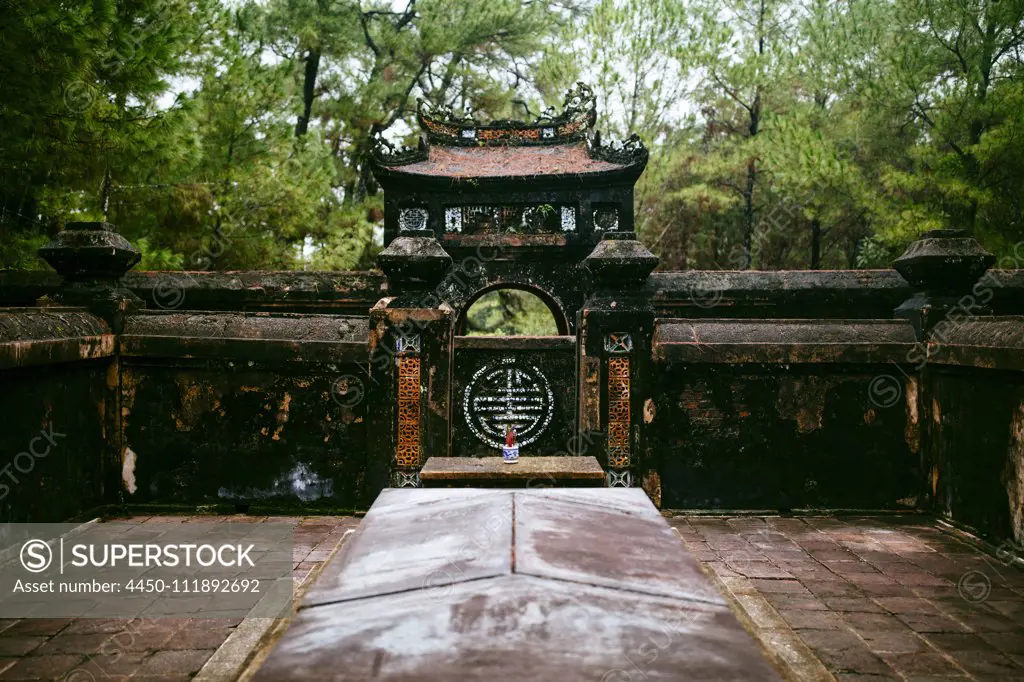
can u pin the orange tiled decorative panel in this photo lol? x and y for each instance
(618, 412)
(408, 452)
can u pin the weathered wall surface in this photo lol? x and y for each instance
(343, 293)
(784, 414)
(58, 390)
(243, 408)
(765, 439)
(766, 390)
(815, 294)
(973, 413)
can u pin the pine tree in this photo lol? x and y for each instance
(80, 114)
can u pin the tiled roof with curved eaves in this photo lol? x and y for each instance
(485, 162)
(460, 147)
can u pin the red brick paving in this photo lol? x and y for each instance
(145, 649)
(875, 598)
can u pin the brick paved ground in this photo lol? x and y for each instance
(875, 598)
(872, 598)
(145, 649)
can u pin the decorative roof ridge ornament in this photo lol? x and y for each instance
(387, 154)
(628, 152)
(579, 114)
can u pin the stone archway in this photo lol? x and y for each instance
(560, 316)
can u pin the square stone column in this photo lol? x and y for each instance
(944, 269)
(615, 328)
(948, 274)
(410, 365)
(92, 258)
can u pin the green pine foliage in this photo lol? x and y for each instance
(230, 134)
(510, 312)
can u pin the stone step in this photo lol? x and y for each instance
(528, 472)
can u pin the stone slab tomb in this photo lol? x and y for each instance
(556, 584)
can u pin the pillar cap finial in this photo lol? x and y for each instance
(944, 261)
(93, 250)
(415, 259)
(620, 261)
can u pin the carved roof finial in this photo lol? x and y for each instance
(579, 113)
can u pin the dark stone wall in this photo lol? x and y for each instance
(784, 414)
(973, 418)
(58, 390)
(55, 458)
(814, 294)
(836, 294)
(774, 437)
(777, 390)
(347, 293)
(244, 408)
(230, 431)
(975, 448)
(195, 408)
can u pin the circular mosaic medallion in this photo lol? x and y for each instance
(505, 393)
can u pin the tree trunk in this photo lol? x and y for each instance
(754, 128)
(978, 126)
(105, 189)
(748, 217)
(815, 244)
(853, 253)
(748, 190)
(308, 92)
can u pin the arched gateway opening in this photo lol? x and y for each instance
(512, 310)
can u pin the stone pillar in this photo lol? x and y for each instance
(93, 259)
(410, 357)
(943, 268)
(614, 331)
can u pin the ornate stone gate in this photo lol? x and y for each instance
(543, 206)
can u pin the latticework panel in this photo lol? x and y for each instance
(406, 479)
(490, 219)
(440, 128)
(619, 479)
(488, 134)
(618, 412)
(571, 128)
(408, 452)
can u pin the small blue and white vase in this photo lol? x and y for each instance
(510, 453)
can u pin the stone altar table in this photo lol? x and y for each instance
(529, 472)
